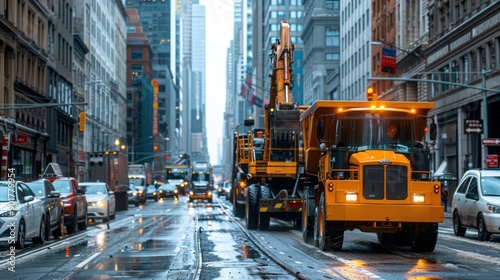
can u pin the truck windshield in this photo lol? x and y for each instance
(137, 181)
(360, 132)
(200, 178)
(176, 174)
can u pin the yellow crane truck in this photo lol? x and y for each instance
(266, 173)
(371, 163)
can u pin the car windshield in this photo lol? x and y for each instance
(62, 186)
(4, 193)
(490, 186)
(151, 188)
(37, 188)
(169, 187)
(94, 189)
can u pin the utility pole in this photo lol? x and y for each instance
(484, 72)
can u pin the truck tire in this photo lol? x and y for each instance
(252, 207)
(264, 217)
(306, 227)
(424, 237)
(331, 235)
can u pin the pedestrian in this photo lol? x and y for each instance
(444, 199)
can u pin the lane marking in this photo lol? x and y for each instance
(80, 265)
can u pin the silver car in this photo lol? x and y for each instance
(21, 215)
(52, 205)
(100, 200)
(476, 203)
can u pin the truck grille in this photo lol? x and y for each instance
(395, 186)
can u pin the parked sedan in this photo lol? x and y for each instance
(168, 190)
(476, 203)
(100, 200)
(52, 206)
(21, 215)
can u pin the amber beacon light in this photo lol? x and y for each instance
(370, 94)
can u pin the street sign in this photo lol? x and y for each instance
(473, 126)
(491, 160)
(491, 141)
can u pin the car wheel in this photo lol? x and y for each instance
(21, 236)
(71, 228)
(108, 217)
(482, 232)
(47, 226)
(83, 224)
(458, 229)
(58, 232)
(40, 239)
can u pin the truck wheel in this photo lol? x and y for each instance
(252, 207)
(331, 235)
(316, 226)
(306, 220)
(424, 237)
(264, 217)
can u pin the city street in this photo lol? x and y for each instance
(160, 241)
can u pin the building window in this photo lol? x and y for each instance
(136, 54)
(332, 38)
(332, 4)
(332, 56)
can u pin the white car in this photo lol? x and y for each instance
(476, 203)
(100, 200)
(21, 215)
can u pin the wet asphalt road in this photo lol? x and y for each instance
(159, 241)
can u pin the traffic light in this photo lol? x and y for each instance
(370, 94)
(81, 122)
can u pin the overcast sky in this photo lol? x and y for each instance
(219, 32)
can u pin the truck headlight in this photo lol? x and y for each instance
(351, 196)
(418, 198)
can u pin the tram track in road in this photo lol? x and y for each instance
(223, 209)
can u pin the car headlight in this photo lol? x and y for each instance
(493, 208)
(154, 193)
(10, 213)
(134, 193)
(101, 204)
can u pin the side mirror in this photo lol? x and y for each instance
(55, 194)
(29, 198)
(433, 132)
(80, 191)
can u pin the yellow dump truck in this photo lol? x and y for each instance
(371, 164)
